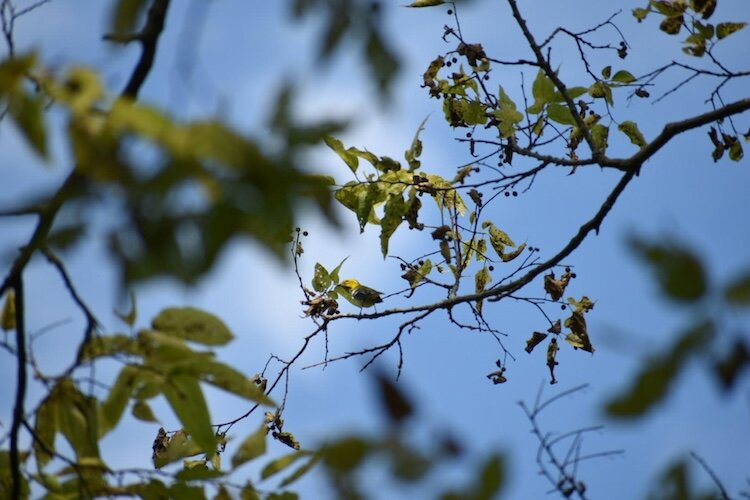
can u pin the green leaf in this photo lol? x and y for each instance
(601, 90)
(735, 151)
(142, 411)
(425, 3)
(491, 478)
(252, 447)
(412, 154)
(231, 380)
(184, 395)
(281, 463)
(192, 324)
(738, 291)
(600, 134)
(302, 470)
(125, 15)
(28, 113)
(361, 198)
(45, 428)
(723, 30)
(679, 273)
(640, 14)
(543, 91)
(481, 280)
(395, 211)
(631, 130)
(112, 408)
(346, 454)
(560, 113)
(347, 155)
(507, 115)
(321, 279)
(336, 270)
(653, 383)
(623, 76)
(607, 72)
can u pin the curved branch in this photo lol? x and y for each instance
(149, 38)
(673, 129)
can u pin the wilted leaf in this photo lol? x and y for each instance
(192, 324)
(672, 25)
(723, 30)
(481, 280)
(426, 3)
(534, 341)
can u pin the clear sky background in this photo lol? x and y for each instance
(225, 58)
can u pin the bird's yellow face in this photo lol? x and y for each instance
(350, 284)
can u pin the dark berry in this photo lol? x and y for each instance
(448, 64)
(492, 268)
(573, 275)
(455, 60)
(507, 193)
(468, 135)
(563, 307)
(305, 233)
(450, 12)
(567, 269)
(515, 193)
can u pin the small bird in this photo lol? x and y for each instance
(359, 294)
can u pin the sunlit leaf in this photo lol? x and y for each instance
(192, 324)
(631, 130)
(348, 156)
(560, 113)
(412, 154)
(231, 380)
(623, 76)
(321, 279)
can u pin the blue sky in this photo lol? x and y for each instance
(237, 53)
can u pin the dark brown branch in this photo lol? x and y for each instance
(149, 38)
(673, 129)
(552, 75)
(91, 321)
(18, 409)
(710, 472)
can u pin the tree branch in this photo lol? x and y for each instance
(18, 409)
(149, 38)
(673, 129)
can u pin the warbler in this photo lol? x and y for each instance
(359, 294)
